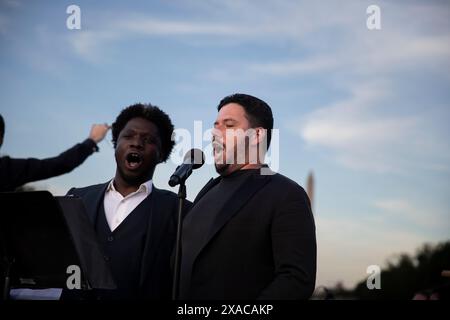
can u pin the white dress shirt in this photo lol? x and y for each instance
(117, 207)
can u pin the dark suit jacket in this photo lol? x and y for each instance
(262, 244)
(16, 172)
(156, 273)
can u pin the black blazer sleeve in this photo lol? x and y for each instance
(294, 249)
(16, 172)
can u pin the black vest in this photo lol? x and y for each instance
(124, 247)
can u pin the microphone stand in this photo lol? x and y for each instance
(176, 274)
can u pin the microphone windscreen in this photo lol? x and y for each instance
(195, 157)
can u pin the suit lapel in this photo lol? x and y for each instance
(93, 201)
(211, 183)
(252, 185)
(249, 187)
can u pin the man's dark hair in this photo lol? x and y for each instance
(2, 126)
(152, 114)
(259, 113)
(2, 129)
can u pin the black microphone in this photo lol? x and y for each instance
(193, 159)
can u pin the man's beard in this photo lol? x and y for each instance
(222, 168)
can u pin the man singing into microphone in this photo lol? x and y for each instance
(249, 234)
(135, 221)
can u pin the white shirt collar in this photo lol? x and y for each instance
(145, 187)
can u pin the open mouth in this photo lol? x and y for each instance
(133, 160)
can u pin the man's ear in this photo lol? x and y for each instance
(261, 135)
(254, 137)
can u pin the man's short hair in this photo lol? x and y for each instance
(153, 114)
(258, 112)
(2, 129)
(2, 126)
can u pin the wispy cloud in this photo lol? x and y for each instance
(152, 26)
(363, 130)
(386, 54)
(229, 21)
(407, 211)
(365, 134)
(11, 3)
(295, 67)
(362, 137)
(91, 45)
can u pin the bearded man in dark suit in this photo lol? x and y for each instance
(250, 233)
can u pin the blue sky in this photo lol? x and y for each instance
(366, 111)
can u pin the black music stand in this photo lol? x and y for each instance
(41, 236)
